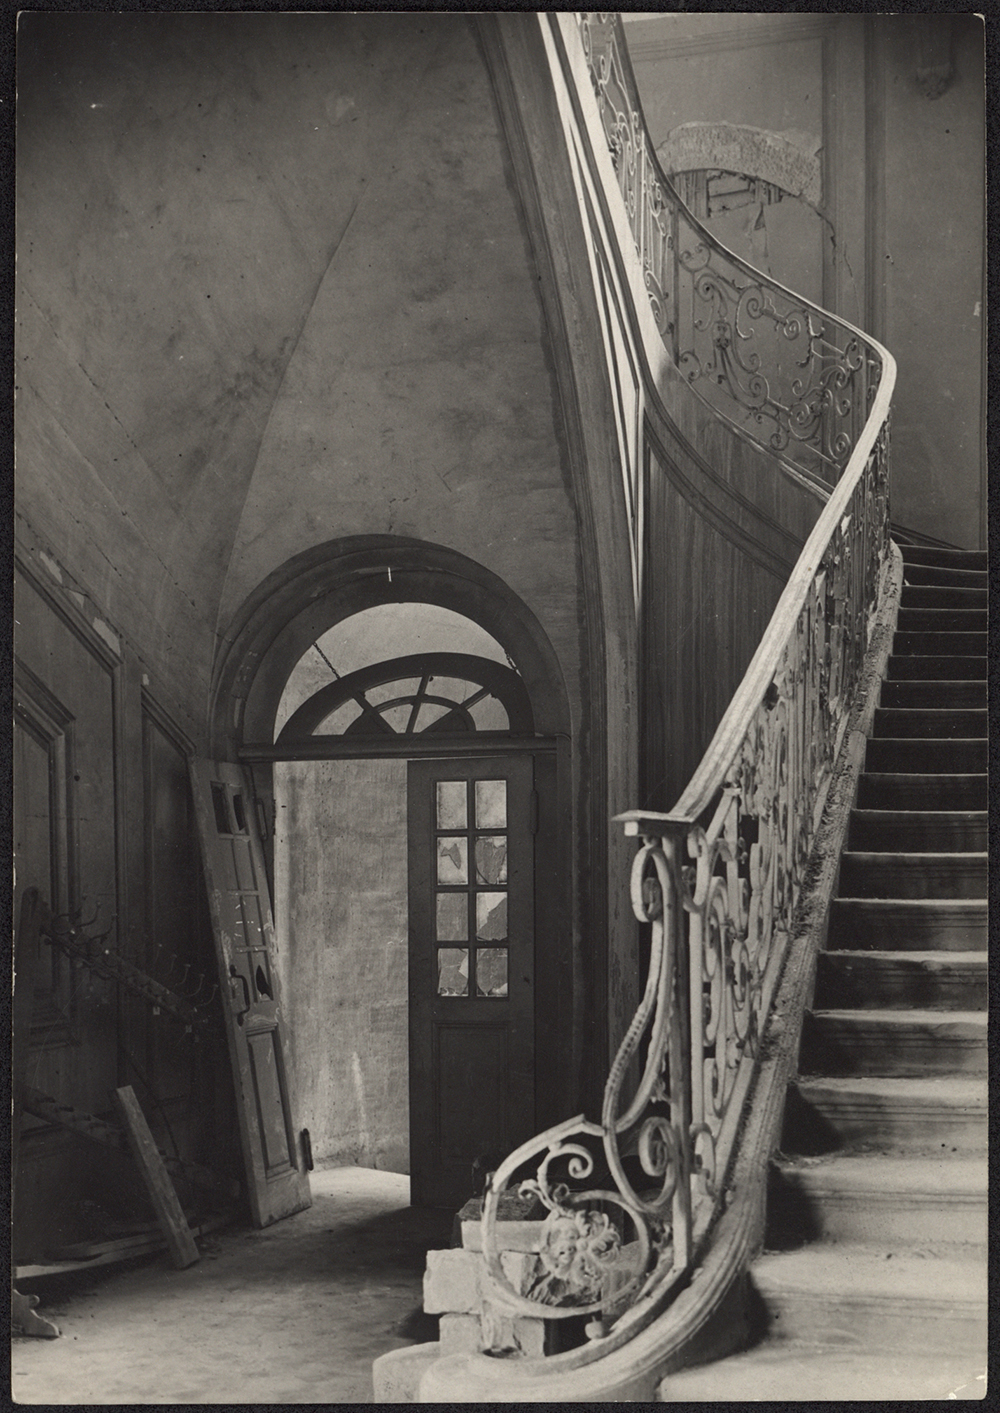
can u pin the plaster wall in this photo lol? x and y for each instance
(933, 259)
(418, 400)
(902, 199)
(341, 923)
(273, 289)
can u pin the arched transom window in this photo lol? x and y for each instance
(424, 693)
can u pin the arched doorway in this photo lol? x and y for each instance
(411, 804)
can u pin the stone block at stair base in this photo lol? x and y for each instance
(475, 1316)
(452, 1282)
(503, 1331)
(396, 1376)
(518, 1227)
(494, 1329)
(460, 1334)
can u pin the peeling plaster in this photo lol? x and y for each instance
(51, 566)
(107, 636)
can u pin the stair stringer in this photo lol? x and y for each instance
(713, 1314)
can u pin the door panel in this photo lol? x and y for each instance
(241, 917)
(471, 973)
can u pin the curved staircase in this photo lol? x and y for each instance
(873, 1285)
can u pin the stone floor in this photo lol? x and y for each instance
(291, 1314)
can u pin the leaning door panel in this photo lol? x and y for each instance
(245, 948)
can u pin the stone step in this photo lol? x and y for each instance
(932, 981)
(912, 924)
(955, 667)
(912, 875)
(796, 1371)
(926, 643)
(930, 723)
(938, 1114)
(942, 620)
(937, 667)
(941, 558)
(898, 790)
(933, 575)
(877, 1198)
(949, 831)
(888, 1042)
(876, 1298)
(892, 756)
(951, 696)
(943, 596)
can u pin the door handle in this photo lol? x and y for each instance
(235, 976)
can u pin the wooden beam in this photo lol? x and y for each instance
(173, 1223)
(425, 746)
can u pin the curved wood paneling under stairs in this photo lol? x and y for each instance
(873, 1285)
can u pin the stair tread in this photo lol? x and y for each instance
(923, 690)
(933, 712)
(858, 1272)
(943, 595)
(878, 816)
(928, 742)
(910, 1016)
(941, 556)
(936, 663)
(939, 755)
(903, 831)
(953, 1088)
(881, 1173)
(958, 613)
(929, 905)
(795, 1371)
(925, 960)
(927, 856)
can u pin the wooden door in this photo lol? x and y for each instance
(471, 969)
(275, 1167)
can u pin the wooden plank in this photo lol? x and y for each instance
(173, 1223)
(145, 1238)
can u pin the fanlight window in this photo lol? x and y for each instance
(428, 693)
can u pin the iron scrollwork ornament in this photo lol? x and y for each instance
(787, 374)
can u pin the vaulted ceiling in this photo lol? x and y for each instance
(192, 189)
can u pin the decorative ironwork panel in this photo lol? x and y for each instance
(787, 374)
(630, 1200)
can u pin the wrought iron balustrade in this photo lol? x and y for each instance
(787, 374)
(629, 1201)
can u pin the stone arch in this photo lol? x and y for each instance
(753, 152)
(322, 586)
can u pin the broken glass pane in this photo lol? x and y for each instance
(491, 804)
(491, 971)
(389, 691)
(489, 714)
(491, 858)
(452, 917)
(398, 717)
(491, 917)
(451, 813)
(452, 859)
(453, 971)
